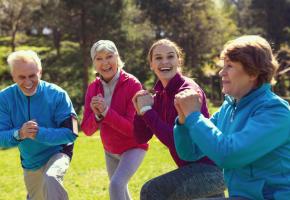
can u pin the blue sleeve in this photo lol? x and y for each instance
(6, 130)
(266, 130)
(58, 135)
(55, 136)
(185, 147)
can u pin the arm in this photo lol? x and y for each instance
(6, 138)
(6, 130)
(89, 123)
(141, 131)
(123, 123)
(59, 134)
(162, 130)
(268, 129)
(55, 136)
(185, 147)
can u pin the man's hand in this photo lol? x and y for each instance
(28, 130)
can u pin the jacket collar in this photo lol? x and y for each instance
(172, 87)
(250, 96)
(37, 93)
(123, 77)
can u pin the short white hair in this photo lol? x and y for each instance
(23, 56)
(106, 45)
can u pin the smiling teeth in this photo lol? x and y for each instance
(165, 68)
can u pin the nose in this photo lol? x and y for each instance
(105, 61)
(164, 61)
(222, 72)
(27, 81)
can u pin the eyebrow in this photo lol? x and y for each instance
(158, 54)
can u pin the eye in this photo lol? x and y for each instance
(170, 56)
(158, 58)
(109, 56)
(32, 76)
(98, 58)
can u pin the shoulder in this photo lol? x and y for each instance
(94, 83)
(272, 100)
(51, 88)
(189, 83)
(129, 77)
(129, 81)
(8, 91)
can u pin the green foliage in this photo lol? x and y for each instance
(273, 17)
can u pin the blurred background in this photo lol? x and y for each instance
(62, 32)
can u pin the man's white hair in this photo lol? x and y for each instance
(23, 56)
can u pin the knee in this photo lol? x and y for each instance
(117, 185)
(148, 191)
(51, 179)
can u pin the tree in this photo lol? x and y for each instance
(90, 21)
(197, 26)
(273, 16)
(15, 16)
(50, 16)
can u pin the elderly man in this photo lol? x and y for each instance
(39, 118)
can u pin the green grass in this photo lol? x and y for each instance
(87, 177)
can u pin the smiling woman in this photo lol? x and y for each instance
(156, 115)
(249, 135)
(109, 107)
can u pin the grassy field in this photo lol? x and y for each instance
(87, 177)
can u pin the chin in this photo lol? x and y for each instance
(29, 93)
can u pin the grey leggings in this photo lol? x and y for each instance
(120, 169)
(185, 183)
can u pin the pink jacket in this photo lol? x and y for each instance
(116, 128)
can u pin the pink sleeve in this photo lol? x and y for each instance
(89, 124)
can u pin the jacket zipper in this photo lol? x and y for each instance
(28, 105)
(233, 111)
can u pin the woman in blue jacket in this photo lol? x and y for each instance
(250, 135)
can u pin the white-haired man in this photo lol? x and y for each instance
(39, 118)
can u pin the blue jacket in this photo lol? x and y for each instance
(249, 139)
(49, 107)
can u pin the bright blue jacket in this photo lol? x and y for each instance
(249, 139)
(49, 107)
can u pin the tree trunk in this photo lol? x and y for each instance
(13, 38)
(85, 52)
(57, 39)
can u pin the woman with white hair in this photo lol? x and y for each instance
(109, 107)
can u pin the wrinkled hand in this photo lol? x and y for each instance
(28, 130)
(142, 98)
(187, 101)
(98, 104)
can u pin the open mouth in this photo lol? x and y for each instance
(28, 87)
(107, 69)
(165, 69)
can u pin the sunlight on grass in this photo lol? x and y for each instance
(87, 177)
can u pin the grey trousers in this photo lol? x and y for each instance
(46, 183)
(186, 183)
(121, 167)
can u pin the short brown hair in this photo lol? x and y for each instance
(178, 49)
(255, 54)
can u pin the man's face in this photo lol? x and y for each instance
(27, 76)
